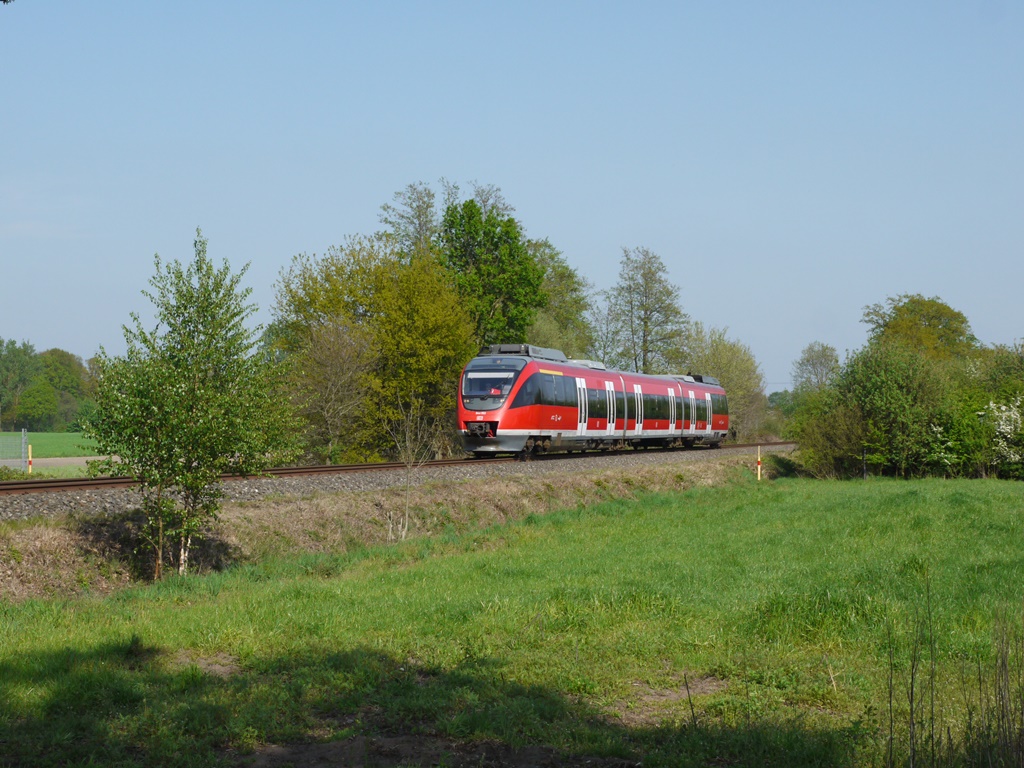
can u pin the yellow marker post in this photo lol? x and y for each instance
(759, 463)
(30, 459)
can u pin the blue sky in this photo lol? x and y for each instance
(790, 162)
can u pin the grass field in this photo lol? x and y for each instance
(53, 445)
(797, 614)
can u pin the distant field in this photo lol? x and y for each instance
(798, 614)
(55, 445)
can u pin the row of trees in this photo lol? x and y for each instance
(922, 397)
(47, 391)
(378, 328)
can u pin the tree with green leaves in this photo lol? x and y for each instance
(314, 291)
(899, 396)
(412, 217)
(1004, 372)
(390, 325)
(38, 407)
(497, 277)
(564, 323)
(891, 410)
(710, 351)
(928, 325)
(189, 401)
(19, 366)
(816, 368)
(644, 311)
(69, 378)
(422, 339)
(41, 392)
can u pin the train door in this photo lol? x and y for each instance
(671, 410)
(581, 399)
(609, 394)
(638, 399)
(693, 413)
(707, 396)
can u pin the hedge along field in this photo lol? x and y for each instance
(783, 608)
(56, 445)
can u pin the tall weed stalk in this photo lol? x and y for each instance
(985, 729)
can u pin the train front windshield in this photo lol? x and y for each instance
(487, 381)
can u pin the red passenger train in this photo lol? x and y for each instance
(517, 398)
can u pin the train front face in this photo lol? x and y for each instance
(485, 391)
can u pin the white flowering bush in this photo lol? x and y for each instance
(1009, 436)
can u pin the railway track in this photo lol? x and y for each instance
(8, 487)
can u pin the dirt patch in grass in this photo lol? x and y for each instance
(75, 556)
(650, 707)
(218, 665)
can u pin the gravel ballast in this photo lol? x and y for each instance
(115, 501)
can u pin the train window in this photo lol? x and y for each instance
(702, 410)
(565, 389)
(655, 407)
(514, 364)
(485, 389)
(598, 403)
(620, 406)
(721, 404)
(547, 389)
(528, 394)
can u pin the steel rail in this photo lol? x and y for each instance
(55, 485)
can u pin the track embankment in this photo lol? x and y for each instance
(76, 543)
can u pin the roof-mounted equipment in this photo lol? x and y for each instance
(706, 379)
(597, 365)
(527, 350)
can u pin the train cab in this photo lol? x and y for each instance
(488, 382)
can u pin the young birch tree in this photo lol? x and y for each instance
(190, 400)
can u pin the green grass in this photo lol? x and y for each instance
(787, 596)
(55, 445)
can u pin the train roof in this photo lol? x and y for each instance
(526, 350)
(557, 356)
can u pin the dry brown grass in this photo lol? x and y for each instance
(55, 560)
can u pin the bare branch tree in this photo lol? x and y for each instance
(413, 433)
(330, 382)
